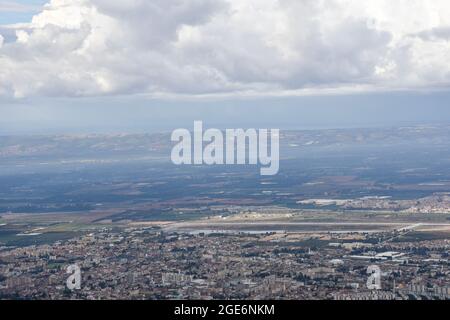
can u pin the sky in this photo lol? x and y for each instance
(146, 65)
(19, 11)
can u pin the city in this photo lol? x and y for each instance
(198, 156)
(146, 263)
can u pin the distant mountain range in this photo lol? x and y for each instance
(110, 145)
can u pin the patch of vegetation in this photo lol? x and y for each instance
(417, 236)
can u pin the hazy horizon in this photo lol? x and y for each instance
(137, 114)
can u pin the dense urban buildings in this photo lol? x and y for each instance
(145, 263)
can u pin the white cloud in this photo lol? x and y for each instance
(228, 47)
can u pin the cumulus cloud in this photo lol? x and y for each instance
(227, 47)
(442, 33)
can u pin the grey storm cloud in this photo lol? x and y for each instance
(226, 47)
(441, 33)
